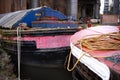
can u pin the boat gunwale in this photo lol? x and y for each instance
(47, 31)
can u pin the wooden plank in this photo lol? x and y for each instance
(19, 5)
(61, 6)
(1, 6)
(16, 5)
(23, 4)
(50, 3)
(4, 6)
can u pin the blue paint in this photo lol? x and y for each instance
(114, 58)
(55, 25)
(45, 11)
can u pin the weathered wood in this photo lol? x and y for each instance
(19, 4)
(61, 6)
(5, 6)
(12, 5)
(34, 3)
(49, 3)
(15, 5)
(23, 4)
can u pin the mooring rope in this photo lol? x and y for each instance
(69, 59)
(109, 41)
(95, 43)
(19, 49)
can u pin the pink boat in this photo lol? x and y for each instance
(94, 64)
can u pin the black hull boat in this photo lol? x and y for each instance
(35, 61)
(41, 36)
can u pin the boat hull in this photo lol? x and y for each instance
(83, 71)
(39, 53)
(94, 64)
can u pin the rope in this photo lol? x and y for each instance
(109, 41)
(69, 59)
(68, 66)
(88, 43)
(19, 49)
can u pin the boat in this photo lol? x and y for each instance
(41, 36)
(94, 60)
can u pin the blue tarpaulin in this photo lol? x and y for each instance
(13, 19)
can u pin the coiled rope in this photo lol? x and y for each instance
(109, 41)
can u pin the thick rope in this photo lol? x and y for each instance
(74, 66)
(102, 42)
(69, 59)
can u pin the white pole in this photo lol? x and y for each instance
(19, 49)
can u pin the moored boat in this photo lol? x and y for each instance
(44, 36)
(96, 60)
